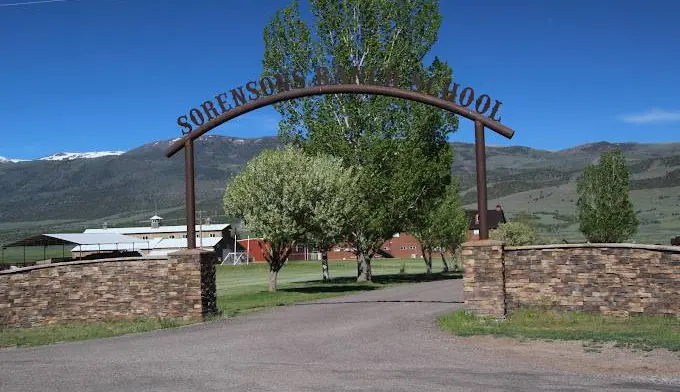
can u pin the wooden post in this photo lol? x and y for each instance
(480, 156)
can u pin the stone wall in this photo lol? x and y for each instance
(483, 277)
(179, 286)
(610, 279)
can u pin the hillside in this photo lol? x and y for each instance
(71, 194)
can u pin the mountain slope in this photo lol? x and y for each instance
(71, 194)
(69, 156)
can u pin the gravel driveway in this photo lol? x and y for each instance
(384, 340)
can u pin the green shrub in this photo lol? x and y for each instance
(514, 234)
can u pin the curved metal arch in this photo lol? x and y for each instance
(410, 95)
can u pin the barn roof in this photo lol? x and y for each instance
(493, 218)
(160, 229)
(74, 239)
(151, 244)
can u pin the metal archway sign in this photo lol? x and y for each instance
(293, 85)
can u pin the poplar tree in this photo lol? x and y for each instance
(605, 210)
(398, 148)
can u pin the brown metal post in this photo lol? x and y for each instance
(480, 156)
(190, 193)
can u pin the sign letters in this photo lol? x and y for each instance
(286, 81)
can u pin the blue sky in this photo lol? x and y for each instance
(84, 75)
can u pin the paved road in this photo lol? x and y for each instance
(384, 340)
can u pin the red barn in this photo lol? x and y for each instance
(254, 250)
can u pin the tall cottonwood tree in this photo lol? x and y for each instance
(604, 207)
(399, 148)
(288, 197)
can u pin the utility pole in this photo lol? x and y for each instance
(200, 230)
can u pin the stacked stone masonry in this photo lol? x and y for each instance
(609, 279)
(483, 279)
(179, 286)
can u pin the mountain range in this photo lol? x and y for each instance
(73, 191)
(66, 156)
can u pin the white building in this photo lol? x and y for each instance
(157, 239)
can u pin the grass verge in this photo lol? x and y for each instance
(37, 336)
(644, 332)
(242, 289)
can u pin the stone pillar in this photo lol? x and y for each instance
(200, 275)
(484, 281)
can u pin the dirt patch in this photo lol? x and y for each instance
(579, 356)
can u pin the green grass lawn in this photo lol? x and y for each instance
(253, 277)
(11, 337)
(242, 289)
(640, 332)
(33, 253)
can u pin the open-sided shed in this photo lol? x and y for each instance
(99, 240)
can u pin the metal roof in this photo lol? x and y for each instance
(151, 244)
(182, 242)
(161, 229)
(74, 239)
(140, 245)
(168, 245)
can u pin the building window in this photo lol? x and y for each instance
(145, 237)
(184, 236)
(172, 236)
(212, 235)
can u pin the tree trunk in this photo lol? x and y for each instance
(272, 279)
(276, 256)
(428, 261)
(324, 266)
(427, 256)
(446, 266)
(364, 267)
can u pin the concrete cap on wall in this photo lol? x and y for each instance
(483, 243)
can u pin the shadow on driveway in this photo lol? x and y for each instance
(349, 284)
(381, 301)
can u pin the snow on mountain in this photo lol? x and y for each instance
(69, 156)
(7, 160)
